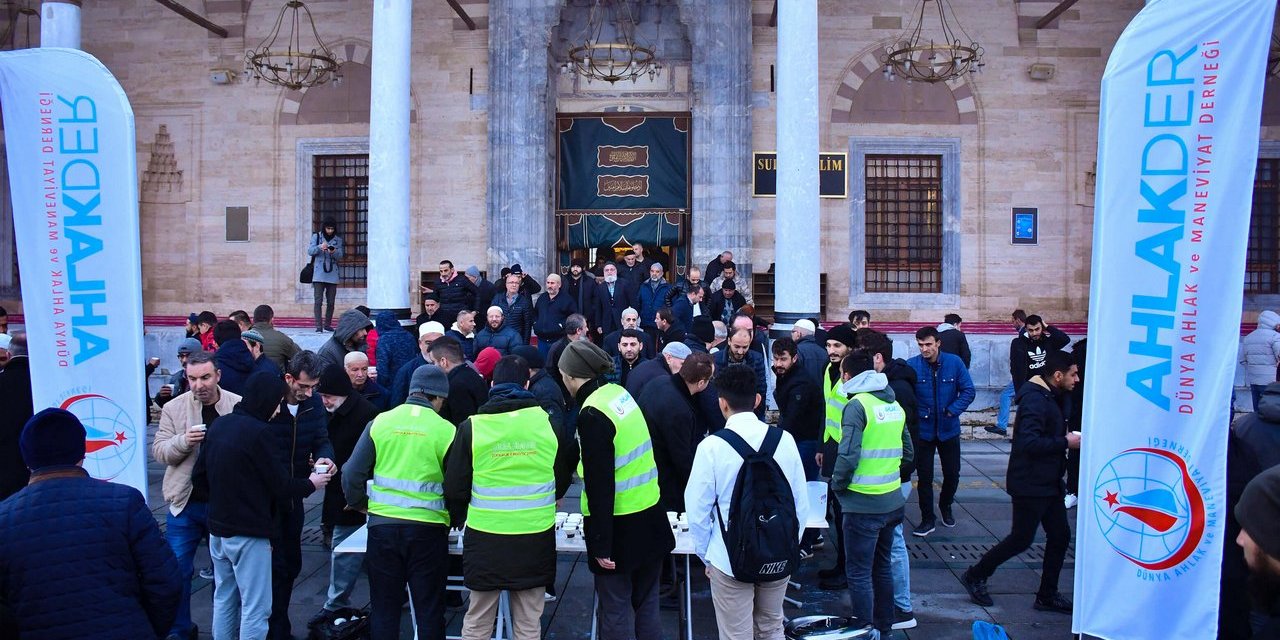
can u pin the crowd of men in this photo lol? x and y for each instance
(649, 395)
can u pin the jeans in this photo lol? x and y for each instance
(901, 571)
(184, 533)
(344, 569)
(868, 541)
(324, 292)
(1006, 399)
(1028, 513)
(949, 452)
(286, 564)
(241, 587)
(1256, 391)
(808, 449)
(416, 555)
(629, 604)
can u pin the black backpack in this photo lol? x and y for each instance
(763, 532)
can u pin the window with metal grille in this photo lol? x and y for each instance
(1262, 261)
(340, 190)
(904, 223)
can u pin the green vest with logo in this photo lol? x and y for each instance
(410, 442)
(513, 482)
(877, 471)
(836, 399)
(635, 474)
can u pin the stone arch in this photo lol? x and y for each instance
(343, 103)
(865, 95)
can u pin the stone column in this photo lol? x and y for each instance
(797, 223)
(720, 37)
(389, 107)
(60, 23)
(519, 199)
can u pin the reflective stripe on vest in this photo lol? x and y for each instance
(513, 482)
(410, 442)
(635, 474)
(878, 463)
(836, 399)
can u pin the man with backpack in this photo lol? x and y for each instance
(874, 441)
(745, 474)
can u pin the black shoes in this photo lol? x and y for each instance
(1053, 603)
(924, 528)
(903, 619)
(977, 588)
(1003, 433)
(947, 519)
(834, 583)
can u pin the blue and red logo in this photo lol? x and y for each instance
(110, 437)
(1150, 509)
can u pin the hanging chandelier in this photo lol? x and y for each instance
(611, 56)
(918, 56)
(281, 59)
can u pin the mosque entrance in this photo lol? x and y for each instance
(622, 179)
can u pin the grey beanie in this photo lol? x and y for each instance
(430, 380)
(473, 271)
(189, 346)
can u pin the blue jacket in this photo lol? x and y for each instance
(549, 315)
(468, 344)
(518, 314)
(504, 339)
(651, 299)
(682, 309)
(377, 395)
(83, 558)
(404, 375)
(235, 363)
(395, 345)
(943, 392)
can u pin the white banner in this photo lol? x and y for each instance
(69, 137)
(1177, 149)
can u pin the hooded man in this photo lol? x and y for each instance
(326, 252)
(627, 533)
(509, 444)
(396, 346)
(233, 356)
(1259, 353)
(873, 443)
(79, 557)
(353, 326)
(239, 469)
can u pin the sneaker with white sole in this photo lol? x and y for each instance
(1071, 501)
(903, 619)
(207, 573)
(924, 528)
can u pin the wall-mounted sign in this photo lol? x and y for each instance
(1026, 225)
(832, 174)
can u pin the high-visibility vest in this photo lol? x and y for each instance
(513, 481)
(881, 455)
(836, 399)
(410, 442)
(635, 474)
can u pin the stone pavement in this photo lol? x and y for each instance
(941, 605)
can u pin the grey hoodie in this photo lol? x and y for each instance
(335, 348)
(853, 423)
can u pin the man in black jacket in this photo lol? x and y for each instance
(245, 482)
(349, 412)
(15, 396)
(581, 288)
(467, 389)
(953, 339)
(1027, 352)
(612, 297)
(496, 559)
(800, 404)
(455, 291)
(671, 410)
(302, 435)
(630, 320)
(1034, 480)
(549, 313)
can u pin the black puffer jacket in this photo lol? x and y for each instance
(673, 419)
(492, 561)
(1038, 458)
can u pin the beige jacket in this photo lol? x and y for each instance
(171, 448)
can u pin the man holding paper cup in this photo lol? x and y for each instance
(183, 426)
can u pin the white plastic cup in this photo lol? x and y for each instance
(322, 468)
(373, 372)
(197, 428)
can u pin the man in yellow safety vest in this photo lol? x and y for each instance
(505, 473)
(841, 339)
(402, 452)
(873, 443)
(626, 530)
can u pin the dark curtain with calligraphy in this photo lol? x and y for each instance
(623, 162)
